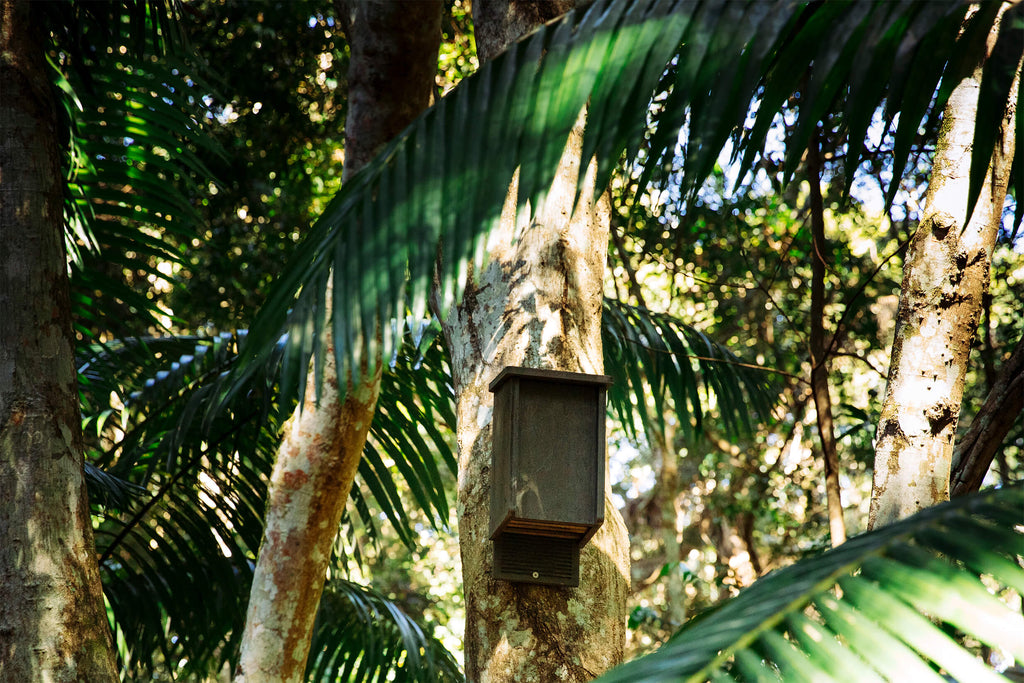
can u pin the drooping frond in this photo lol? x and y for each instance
(439, 187)
(413, 428)
(901, 603)
(181, 499)
(136, 119)
(360, 636)
(656, 354)
(176, 558)
(131, 186)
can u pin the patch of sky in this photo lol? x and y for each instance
(625, 467)
(868, 187)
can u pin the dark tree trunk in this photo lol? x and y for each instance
(1001, 410)
(53, 626)
(819, 350)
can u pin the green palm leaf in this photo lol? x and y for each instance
(654, 353)
(360, 635)
(434, 189)
(137, 125)
(880, 607)
(181, 500)
(176, 557)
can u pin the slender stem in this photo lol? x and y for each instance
(818, 349)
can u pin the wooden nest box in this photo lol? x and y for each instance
(547, 472)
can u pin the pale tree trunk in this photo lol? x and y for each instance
(945, 277)
(664, 451)
(536, 304)
(53, 626)
(391, 76)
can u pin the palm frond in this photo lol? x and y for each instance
(142, 27)
(413, 428)
(360, 635)
(176, 560)
(434, 188)
(900, 603)
(132, 164)
(656, 354)
(180, 499)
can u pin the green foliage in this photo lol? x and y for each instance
(516, 112)
(175, 558)
(653, 352)
(180, 500)
(362, 636)
(855, 612)
(178, 487)
(136, 142)
(279, 108)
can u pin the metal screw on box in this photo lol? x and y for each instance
(547, 472)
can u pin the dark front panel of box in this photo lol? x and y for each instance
(501, 457)
(536, 559)
(558, 431)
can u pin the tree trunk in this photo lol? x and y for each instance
(498, 23)
(53, 626)
(945, 277)
(536, 304)
(1001, 410)
(391, 76)
(819, 350)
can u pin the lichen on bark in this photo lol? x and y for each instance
(945, 277)
(537, 303)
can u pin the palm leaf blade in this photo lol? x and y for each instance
(877, 616)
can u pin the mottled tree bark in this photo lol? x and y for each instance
(391, 76)
(945, 277)
(537, 304)
(53, 626)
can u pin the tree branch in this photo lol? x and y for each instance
(1002, 408)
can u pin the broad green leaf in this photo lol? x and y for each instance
(897, 594)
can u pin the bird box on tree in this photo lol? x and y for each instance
(547, 472)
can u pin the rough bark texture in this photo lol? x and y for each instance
(497, 23)
(819, 352)
(52, 623)
(393, 60)
(391, 70)
(312, 478)
(945, 277)
(536, 304)
(1001, 410)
